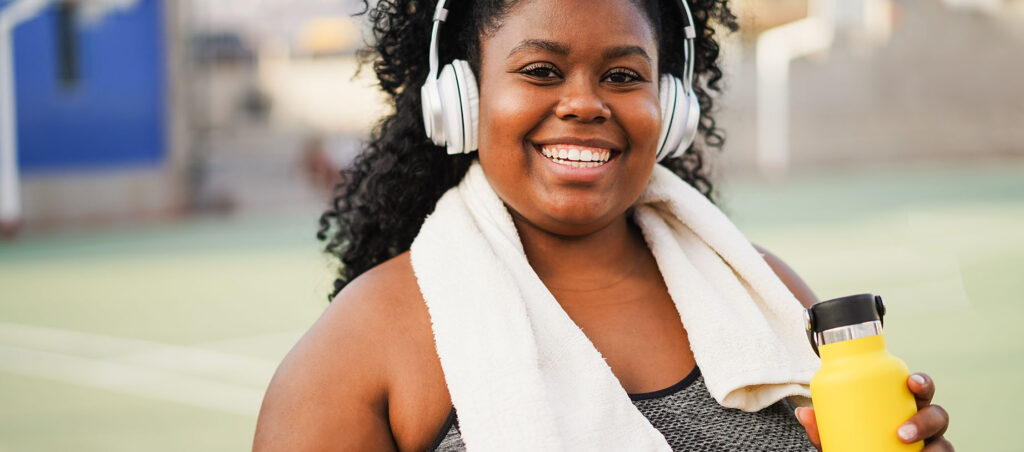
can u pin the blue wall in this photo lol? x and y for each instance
(114, 116)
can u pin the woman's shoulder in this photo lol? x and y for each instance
(789, 277)
(359, 329)
(388, 282)
(378, 300)
(335, 385)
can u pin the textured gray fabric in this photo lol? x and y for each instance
(691, 420)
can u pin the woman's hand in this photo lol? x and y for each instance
(928, 424)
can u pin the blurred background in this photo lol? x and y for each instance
(163, 164)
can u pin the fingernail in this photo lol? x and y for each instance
(918, 378)
(907, 432)
(796, 412)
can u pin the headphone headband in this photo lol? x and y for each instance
(441, 15)
(690, 31)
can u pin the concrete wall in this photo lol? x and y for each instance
(111, 145)
(947, 85)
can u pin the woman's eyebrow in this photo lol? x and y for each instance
(540, 44)
(562, 49)
(624, 51)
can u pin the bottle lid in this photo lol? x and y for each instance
(845, 311)
(853, 311)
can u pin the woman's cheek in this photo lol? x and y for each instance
(513, 112)
(642, 120)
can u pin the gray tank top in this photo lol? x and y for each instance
(692, 420)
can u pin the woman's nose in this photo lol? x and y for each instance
(582, 102)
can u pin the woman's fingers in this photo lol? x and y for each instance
(928, 424)
(806, 417)
(931, 421)
(940, 445)
(923, 388)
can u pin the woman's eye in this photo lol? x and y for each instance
(540, 71)
(621, 76)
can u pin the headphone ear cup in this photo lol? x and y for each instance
(459, 102)
(432, 114)
(692, 123)
(680, 113)
(470, 97)
(451, 108)
(669, 89)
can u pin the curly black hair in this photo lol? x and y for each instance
(395, 182)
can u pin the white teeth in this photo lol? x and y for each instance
(577, 164)
(576, 157)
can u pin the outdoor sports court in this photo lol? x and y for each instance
(164, 337)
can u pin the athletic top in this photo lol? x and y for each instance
(692, 420)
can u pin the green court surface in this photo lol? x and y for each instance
(164, 337)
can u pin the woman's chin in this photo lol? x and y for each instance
(568, 222)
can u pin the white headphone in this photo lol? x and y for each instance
(451, 101)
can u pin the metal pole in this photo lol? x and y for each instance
(776, 48)
(10, 186)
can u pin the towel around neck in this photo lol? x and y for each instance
(523, 376)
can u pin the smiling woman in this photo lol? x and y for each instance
(571, 289)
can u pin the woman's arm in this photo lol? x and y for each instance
(330, 392)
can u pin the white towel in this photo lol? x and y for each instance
(523, 376)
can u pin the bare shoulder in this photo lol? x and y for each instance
(789, 277)
(331, 391)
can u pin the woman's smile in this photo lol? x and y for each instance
(577, 156)
(574, 160)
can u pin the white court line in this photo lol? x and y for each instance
(72, 342)
(188, 375)
(194, 361)
(283, 340)
(128, 379)
(241, 370)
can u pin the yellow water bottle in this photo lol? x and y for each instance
(860, 393)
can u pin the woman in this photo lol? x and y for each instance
(553, 76)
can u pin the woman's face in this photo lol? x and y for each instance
(569, 111)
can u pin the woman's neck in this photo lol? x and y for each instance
(584, 263)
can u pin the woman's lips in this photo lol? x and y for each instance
(576, 156)
(582, 163)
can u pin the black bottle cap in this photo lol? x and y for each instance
(848, 310)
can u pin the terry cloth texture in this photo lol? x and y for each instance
(691, 420)
(523, 376)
